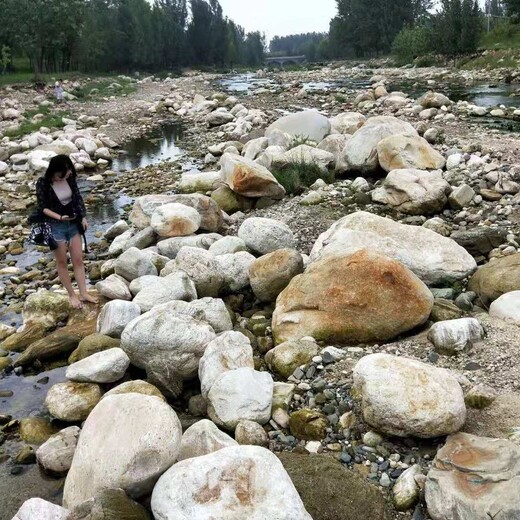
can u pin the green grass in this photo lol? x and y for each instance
(101, 88)
(53, 120)
(508, 58)
(505, 35)
(298, 176)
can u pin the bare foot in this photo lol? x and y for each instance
(75, 302)
(88, 298)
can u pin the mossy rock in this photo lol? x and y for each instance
(309, 425)
(332, 492)
(136, 387)
(444, 310)
(110, 504)
(287, 357)
(93, 344)
(5, 362)
(36, 430)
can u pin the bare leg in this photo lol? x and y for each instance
(76, 255)
(60, 256)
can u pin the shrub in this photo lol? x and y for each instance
(411, 43)
(297, 176)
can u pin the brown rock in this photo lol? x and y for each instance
(498, 277)
(248, 178)
(93, 344)
(356, 298)
(36, 430)
(270, 274)
(404, 151)
(19, 341)
(60, 343)
(308, 425)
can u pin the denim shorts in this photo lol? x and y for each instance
(64, 231)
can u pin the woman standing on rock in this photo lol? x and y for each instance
(61, 203)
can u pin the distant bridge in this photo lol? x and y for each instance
(282, 60)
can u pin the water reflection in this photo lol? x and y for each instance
(159, 146)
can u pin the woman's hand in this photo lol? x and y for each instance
(66, 218)
(84, 223)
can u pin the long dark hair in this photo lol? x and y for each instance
(60, 164)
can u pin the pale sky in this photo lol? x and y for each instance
(281, 17)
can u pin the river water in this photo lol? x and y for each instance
(482, 94)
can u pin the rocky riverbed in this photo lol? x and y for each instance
(347, 347)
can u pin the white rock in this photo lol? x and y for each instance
(115, 316)
(361, 153)
(264, 235)
(228, 351)
(227, 245)
(55, 455)
(240, 394)
(116, 229)
(114, 287)
(173, 220)
(433, 258)
(403, 397)
(203, 438)
(235, 270)
(507, 307)
(416, 192)
(309, 124)
(347, 123)
(199, 181)
(107, 366)
(134, 263)
(167, 344)
(304, 154)
(176, 286)
(453, 336)
(127, 442)
(251, 433)
(39, 509)
(171, 246)
(243, 482)
(406, 491)
(72, 402)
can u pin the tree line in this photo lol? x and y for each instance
(407, 28)
(124, 35)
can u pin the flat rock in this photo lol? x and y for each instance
(107, 366)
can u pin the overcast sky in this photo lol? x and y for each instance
(281, 17)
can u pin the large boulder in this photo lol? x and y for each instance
(145, 206)
(127, 442)
(59, 147)
(174, 220)
(453, 336)
(270, 274)
(474, 478)
(336, 144)
(307, 124)
(500, 276)
(202, 438)
(228, 351)
(107, 366)
(171, 246)
(404, 397)
(265, 235)
(361, 152)
(435, 259)
(241, 394)
(234, 482)
(235, 270)
(408, 151)
(416, 192)
(347, 123)
(248, 178)
(168, 345)
(194, 181)
(352, 298)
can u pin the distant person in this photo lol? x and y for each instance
(60, 201)
(58, 92)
